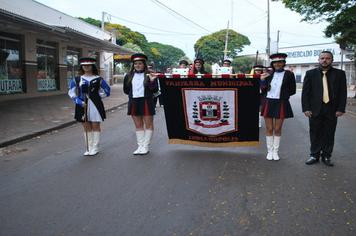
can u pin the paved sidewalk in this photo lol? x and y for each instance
(26, 118)
(351, 102)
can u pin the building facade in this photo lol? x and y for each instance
(40, 48)
(305, 57)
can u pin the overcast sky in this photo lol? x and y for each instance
(157, 23)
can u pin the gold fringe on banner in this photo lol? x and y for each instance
(207, 144)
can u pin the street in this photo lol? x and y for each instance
(47, 187)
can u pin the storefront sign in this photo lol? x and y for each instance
(10, 86)
(310, 54)
(46, 84)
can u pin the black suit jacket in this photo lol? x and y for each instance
(288, 87)
(312, 94)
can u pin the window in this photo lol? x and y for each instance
(11, 69)
(47, 78)
(72, 61)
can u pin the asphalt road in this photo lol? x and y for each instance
(48, 188)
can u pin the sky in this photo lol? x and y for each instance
(189, 20)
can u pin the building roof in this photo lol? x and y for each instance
(58, 22)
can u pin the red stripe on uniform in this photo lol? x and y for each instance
(133, 109)
(146, 110)
(282, 113)
(265, 109)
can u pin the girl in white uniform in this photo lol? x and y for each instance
(87, 92)
(140, 86)
(276, 90)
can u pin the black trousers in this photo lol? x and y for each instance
(322, 132)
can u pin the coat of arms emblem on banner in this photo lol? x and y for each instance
(211, 111)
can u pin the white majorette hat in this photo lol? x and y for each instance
(278, 57)
(87, 61)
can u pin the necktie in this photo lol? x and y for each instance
(325, 88)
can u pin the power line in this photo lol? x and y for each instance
(264, 10)
(146, 26)
(254, 21)
(177, 13)
(183, 34)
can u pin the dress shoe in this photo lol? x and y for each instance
(327, 161)
(312, 160)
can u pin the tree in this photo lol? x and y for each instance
(341, 16)
(211, 47)
(125, 35)
(133, 47)
(91, 21)
(161, 55)
(164, 56)
(244, 64)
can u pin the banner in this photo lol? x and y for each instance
(10, 86)
(46, 84)
(211, 111)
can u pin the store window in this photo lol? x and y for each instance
(72, 61)
(47, 66)
(11, 68)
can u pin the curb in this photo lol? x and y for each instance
(351, 113)
(45, 131)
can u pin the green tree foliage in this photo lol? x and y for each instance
(91, 21)
(164, 56)
(161, 55)
(244, 64)
(211, 47)
(133, 47)
(125, 35)
(340, 14)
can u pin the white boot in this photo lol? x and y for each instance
(259, 120)
(88, 138)
(140, 136)
(269, 143)
(276, 141)
(94, 148)
(146, 142)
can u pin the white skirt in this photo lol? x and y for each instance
(93, 113)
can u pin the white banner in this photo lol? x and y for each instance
(310, 53)
(211, 111)
(46, 84)
(10, 85)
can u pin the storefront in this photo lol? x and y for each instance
(305, 57)
(11, 68)
(39, 52)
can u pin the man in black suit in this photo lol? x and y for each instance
(323, 101)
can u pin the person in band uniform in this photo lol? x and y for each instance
(140, 86)
(198, 67)
(87, 92)
(276, 89)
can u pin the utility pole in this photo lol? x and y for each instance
(268, 49)
(232, 14)
(277, 40)
(226, 40)
(103, 20)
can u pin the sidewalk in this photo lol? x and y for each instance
(351, 102)
(26, 118)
